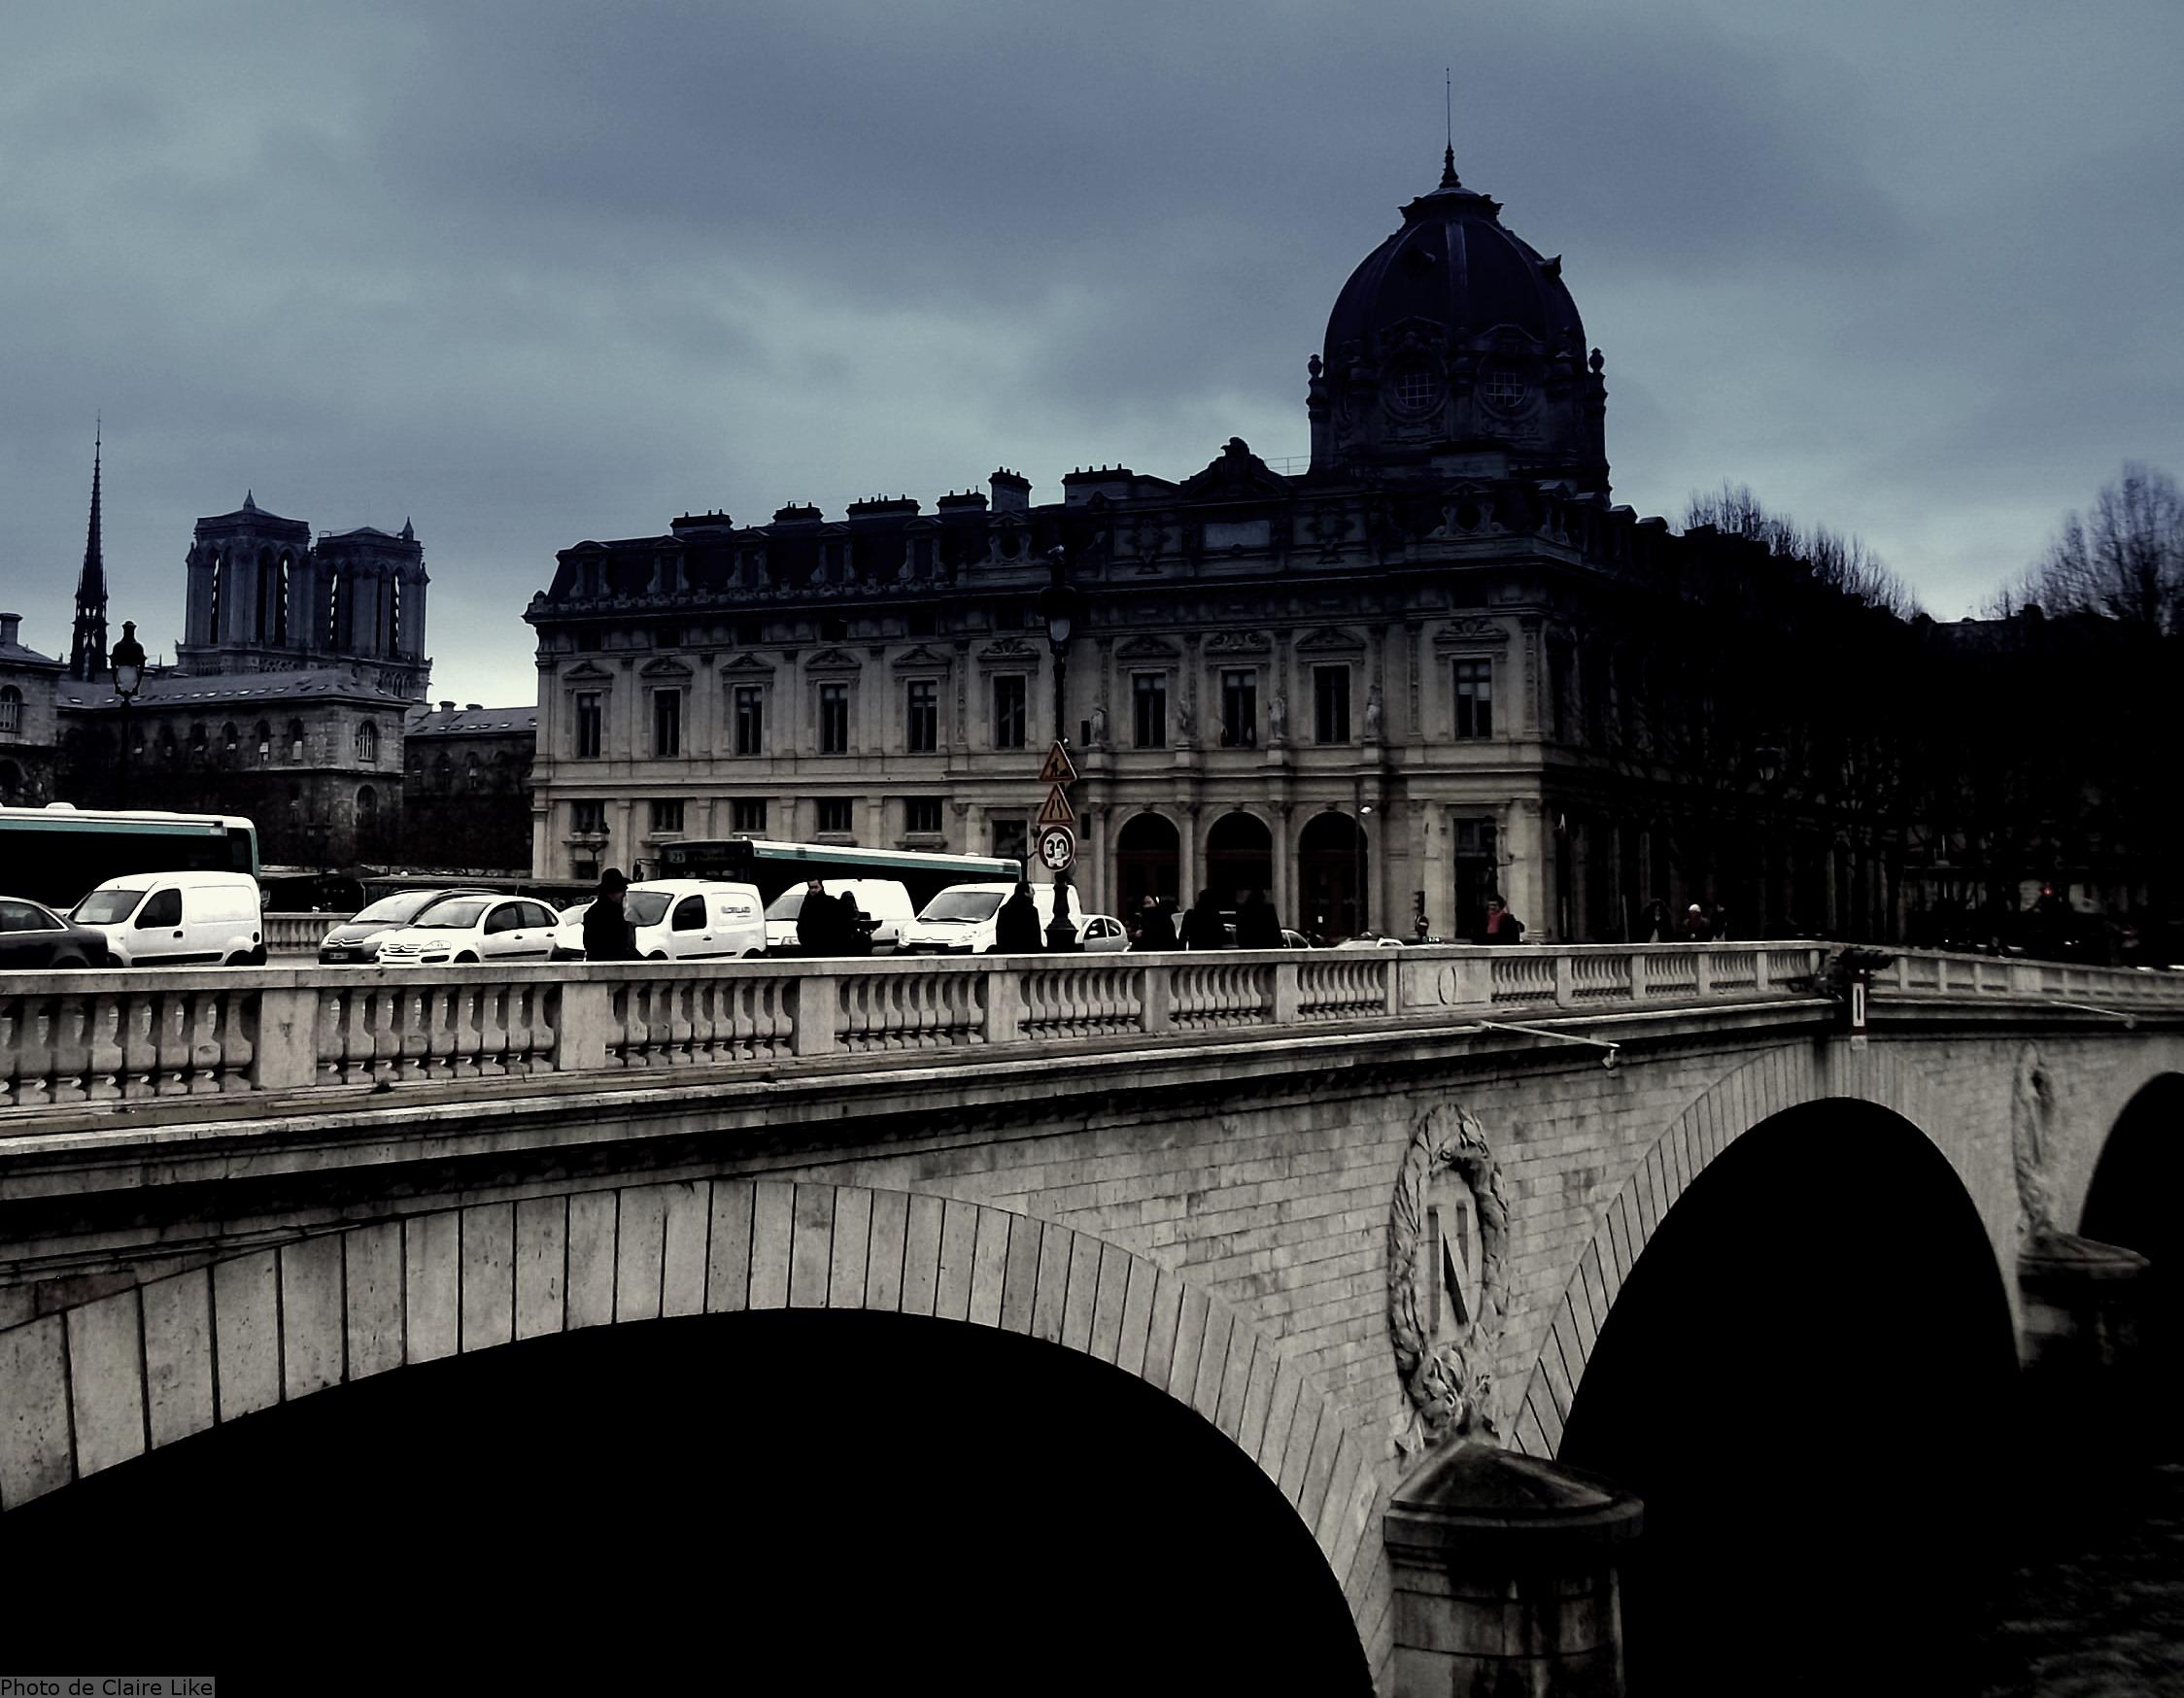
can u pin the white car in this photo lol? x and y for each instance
(459, 930)
(679, 919)
(178, 919)
(1101, 933)
(881, 901)
(963, 920)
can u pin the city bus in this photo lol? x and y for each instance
(774, 867)
(58, 854)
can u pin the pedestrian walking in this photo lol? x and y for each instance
(1203, 927)
(1017, 925)
(607, 933)
(1500, 926)
(1652, 926)
(1694, 928)
(1156, 926)
(818, 922)
(1257, 925)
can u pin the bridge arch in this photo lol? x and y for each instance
(104, 1381)
(2130, 1200)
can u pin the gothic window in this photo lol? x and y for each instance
(281, 602)
(197, 739)
(750, 719)
(834, 719)
(667, 723)
(921, 719)
(443, 775)
(1240, 709)
(394, 616)
(588, 718)
(1148, 710)
(219, 571)
(1474, 698)
(262, 737)
(230, 741)
(295, 741)
(1008, 712)
(747, 814)
(1330, 705)
(10, 711)
(473, 775)
(367, 742)
(367, 812)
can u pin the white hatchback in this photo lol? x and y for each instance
(459, 930)
(679, 919)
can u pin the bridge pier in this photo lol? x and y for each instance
(2081, 1300)
(1507, 1577)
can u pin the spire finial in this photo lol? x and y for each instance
(86, 652)
(1448, 119)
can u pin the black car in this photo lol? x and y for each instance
(32, 936)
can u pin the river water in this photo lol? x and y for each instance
(2093, 1607)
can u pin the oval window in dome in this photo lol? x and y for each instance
(1502, 388)
(1413, 390)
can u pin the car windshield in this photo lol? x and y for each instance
(645, 907)
(107, 907)
(786, 905)
(455, 914)
(401, 906)
(965, 907)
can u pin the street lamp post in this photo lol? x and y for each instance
(1364, 813)
(1058, 602)
(128, 679)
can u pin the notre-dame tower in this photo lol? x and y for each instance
(263, 598)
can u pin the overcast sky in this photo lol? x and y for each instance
(540, 271)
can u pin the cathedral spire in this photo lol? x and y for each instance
(1448, 128)
(87, 652)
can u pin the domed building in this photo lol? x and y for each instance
(1435, 664)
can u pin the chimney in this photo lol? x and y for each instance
(473, 707)
(447, 707)
(10, 624)
(1012, 492)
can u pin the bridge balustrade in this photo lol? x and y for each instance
(91, 1036)
(289, 933)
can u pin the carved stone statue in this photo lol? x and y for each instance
(1099, 724)
(1372, 715)
(1277, 719)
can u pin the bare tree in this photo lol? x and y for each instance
(1834, 558)
(2125, 559)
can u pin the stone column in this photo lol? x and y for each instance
(1506, 1576)
(2081, 1302)
(1284, 893)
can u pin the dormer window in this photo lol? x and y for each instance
(1414, 390)
(1503, 388)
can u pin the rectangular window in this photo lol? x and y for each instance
(748, 634)
(1008, 712)
(668, 816)
(921, 816)
(1330, 705)
(588, 724)
(1012, 839)
(747, 814)
(667, 723)
(1474, 698)
(921, 717)
(835, 815)
(834, 719)
(750, 720)
(1558, 681)
(1240, 709)
(587, 816)
(1148, 710)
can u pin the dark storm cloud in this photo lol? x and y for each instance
(531, 273)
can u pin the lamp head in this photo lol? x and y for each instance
(128, 661)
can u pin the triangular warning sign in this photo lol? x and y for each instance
(1056, 811)
(1057, 770)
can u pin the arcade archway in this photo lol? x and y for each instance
(1331, 876)
(1147, 861)
(1239, 858)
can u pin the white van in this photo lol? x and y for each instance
(883, 900)
(679, 919)
(962, 919)
(178, 919)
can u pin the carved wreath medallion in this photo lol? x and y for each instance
(1448, 1239)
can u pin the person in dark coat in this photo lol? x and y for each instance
(607, 933)
(853, 932)
(819, 922)
(1501, 925)
(1202, 926)
(1156, 926)
(1016, 926)
(1653, 924)
(1257, 925)
(1695, 927)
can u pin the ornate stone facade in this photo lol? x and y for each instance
(1438, 664)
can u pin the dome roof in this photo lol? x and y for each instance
(1453, 264)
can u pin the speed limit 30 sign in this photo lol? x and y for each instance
(1057, 848)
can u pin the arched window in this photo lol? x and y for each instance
(11, 781)
(473, 775)
(367, 741)
(167, 744)
(334, 607)
(197, 739)
(367, 813)
(280, 622)
(295, 805)
(230, 741)
(262, 736)
(10, 711)
(295, 741)
(443, 774)
(219, 571)
(394, 616)
(268, 584)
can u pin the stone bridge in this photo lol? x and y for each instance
(1342, 1207)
